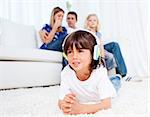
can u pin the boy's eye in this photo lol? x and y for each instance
(69, 51)
(81, 50)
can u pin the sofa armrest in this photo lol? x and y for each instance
(30, 55)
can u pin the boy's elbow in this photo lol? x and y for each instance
(107, 104)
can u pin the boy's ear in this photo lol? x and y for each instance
(65, 56)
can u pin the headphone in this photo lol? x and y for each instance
(96, 53)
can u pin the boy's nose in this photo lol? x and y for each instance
(74, 54)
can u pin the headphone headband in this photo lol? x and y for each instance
(97, 39)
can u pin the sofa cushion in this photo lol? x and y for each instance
(0, 29)
(17, 35)
(30, 54)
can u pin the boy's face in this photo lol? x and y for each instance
(79, 59)
(71, 20)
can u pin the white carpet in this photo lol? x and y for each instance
(42, 102)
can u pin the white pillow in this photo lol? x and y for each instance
(0, 29)
(17, 35)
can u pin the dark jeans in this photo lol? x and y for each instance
(55, 45)
(116, 81)
(114, 48)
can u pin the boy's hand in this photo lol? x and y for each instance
(67, 102)
(76, 108)
(70, 105)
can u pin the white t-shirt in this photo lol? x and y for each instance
(93, 90)
(70, 30)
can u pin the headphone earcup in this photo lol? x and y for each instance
(65, 56)
(96, 54)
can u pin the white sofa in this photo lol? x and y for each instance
(22, 64)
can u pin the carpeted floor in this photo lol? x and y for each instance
(132, 101)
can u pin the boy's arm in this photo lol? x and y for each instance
(65, 104)
(78, 108)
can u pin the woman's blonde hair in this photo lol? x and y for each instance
(52, 20)
(98, 22)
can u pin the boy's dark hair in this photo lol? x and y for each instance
(73, 13)
(82, 40)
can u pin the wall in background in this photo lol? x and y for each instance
(124, 21)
